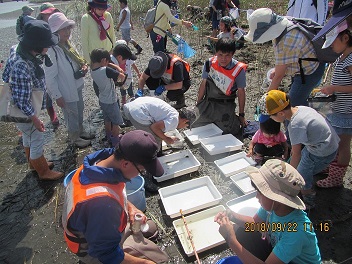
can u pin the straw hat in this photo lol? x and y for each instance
(265, 25)
(279, 181)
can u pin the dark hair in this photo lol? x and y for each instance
(270, 127)
(226, 45)
(349, 34)
(98, 54)
(123, 1)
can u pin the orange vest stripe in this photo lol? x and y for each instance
(174, 58)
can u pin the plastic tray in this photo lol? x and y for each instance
(177, 144)
(206, 131)
(204, 231)
(221, 144)
(189, 196)
(246, 205)
(177, 164)
(234, 164)
(243, 182)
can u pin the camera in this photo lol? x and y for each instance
(79, 74)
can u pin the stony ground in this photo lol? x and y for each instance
(30, 210)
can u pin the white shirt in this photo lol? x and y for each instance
(126, 23)
(306, 9)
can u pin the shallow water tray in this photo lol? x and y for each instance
(189, 196)
(221, 144)
(235, 163)
(243, 182)
(204, 231)
(177, 144)
(246, 205)
(178, 164)
(206, 131)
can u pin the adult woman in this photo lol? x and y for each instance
(25, 74)
(162, 18)
(64, 78)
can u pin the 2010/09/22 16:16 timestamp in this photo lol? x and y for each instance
(318, 227)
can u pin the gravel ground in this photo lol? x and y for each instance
(30, 210)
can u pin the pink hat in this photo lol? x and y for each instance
(59, 21)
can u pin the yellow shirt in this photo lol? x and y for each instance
(163, 23)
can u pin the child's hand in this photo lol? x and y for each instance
(250, 153)
(330, 89)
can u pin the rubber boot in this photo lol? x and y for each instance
(42, 168)
(335, 176)
(179, 103)
(85, 135)
(79, 142)
(53, 117)
(27, 152)
(326, 170)
(139, 49)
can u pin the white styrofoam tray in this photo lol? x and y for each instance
(189, 196)
(234, 164)
(206, 131)
(243, 182)
(245, 205)
(221, 144)
(204, 231)
(177, 164)
(177, 144)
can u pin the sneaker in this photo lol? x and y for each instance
(139, 50)
(86, 135)
(81, 143)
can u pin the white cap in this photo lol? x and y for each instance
(332, 35)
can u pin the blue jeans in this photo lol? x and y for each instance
(299, 92)
(158, 45)
(310, 164)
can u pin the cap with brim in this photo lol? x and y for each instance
(45, 6)
(59, 21)
(279, 181)
(332, 35)
(27, 9)
(124, 51)
(158, 64)
(263, 118)
(141, 148)
(265, 25)
(37, 33)
(334, 21)
(99, 4)
(273, 102)
(50, 10)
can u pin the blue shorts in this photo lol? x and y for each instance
(342, 123)
(111, 113)
(126, 34)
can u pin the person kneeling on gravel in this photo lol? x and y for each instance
(224, 79)
(97, 215)
(166, 72)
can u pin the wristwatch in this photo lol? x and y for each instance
(241, 114)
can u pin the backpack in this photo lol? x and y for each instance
(19, 25)
(149, 20)
(310, 29)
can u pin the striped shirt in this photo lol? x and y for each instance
(22, 81)
(292, 46)
(342, 76)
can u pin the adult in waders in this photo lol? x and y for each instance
(224, 79)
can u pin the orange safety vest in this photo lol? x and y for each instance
(77, 193)
(167, 76)
(224, 78)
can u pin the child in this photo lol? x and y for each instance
(225, 31)
(280, 231)
(269, 140)
(125, 24)
(105, 77)
(123, 57)
(340, 39)
(307, 127)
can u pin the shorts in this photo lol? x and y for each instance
(342, 123)
(126, 34)
(111, 113)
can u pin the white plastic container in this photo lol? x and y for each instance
(267, 80)
(221, 144)
(189, 196)
(204, 231)
(245, 205)
(177, 144)
(243, 182)
(178, 164)
(235, 163)
(206, 131)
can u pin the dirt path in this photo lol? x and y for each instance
(30, 210)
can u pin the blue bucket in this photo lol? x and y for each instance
(230, 260)
(136, 193)
(69, 177)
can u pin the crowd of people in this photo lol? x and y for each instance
(45, 60)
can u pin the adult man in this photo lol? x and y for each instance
(312, 9)
(23, 19)
(224, 79)
(167, 72)
(289, 47)
(96, 210)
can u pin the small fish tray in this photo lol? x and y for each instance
(221, 144)
(243, 182)
(245, 205)
(235, 163)
(206, 131)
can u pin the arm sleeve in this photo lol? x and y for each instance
(85, 37)
(255, 137)
(112, 73)
(166, 10)
(241, 79)
(51, 76)
(282, 137)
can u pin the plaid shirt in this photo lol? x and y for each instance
(291, 47)
(22, 81)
